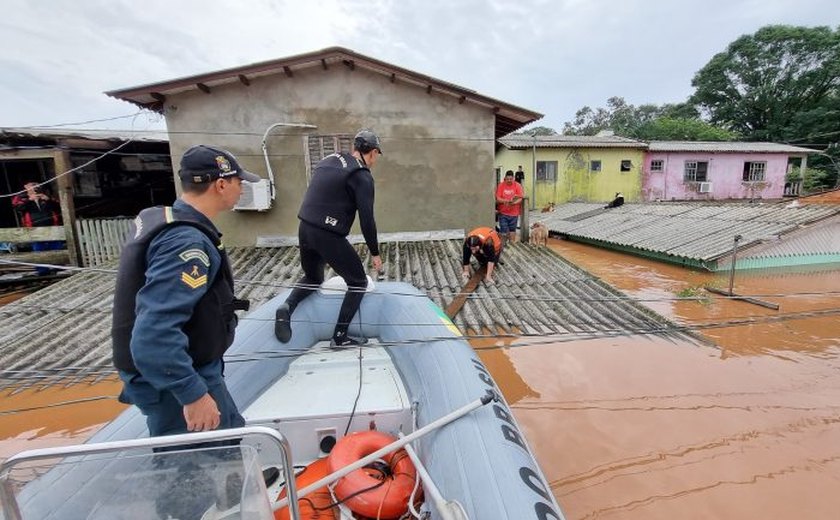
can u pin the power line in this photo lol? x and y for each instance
(442, 294)
(520, 340)
(76, 168)
(56, 405)
(77, 123)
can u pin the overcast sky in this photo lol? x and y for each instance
(551, 56)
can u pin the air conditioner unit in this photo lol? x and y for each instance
(256, 196)
(705, 187)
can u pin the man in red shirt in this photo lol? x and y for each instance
(509, 197)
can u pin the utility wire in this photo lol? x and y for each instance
(78, 123)
(76, 168)
(444, 294)
(56, 405)
(514, 340)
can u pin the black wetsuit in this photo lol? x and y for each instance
(341, 185)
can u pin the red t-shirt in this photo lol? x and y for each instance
(505, 191)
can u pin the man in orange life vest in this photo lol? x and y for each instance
(486, 245)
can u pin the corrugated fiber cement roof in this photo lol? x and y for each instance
(63, 331)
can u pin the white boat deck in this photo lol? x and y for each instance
(315, 398)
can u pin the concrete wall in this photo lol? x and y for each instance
(574, 180)
(725, 173)
(436, 171)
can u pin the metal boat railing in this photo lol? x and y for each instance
(7, 493)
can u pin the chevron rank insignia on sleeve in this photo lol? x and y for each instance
(194, 279)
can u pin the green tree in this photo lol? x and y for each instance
(681, 129)
(763, 84)
(817, 179)
(646, 122)
(540, 130)
(589, 122)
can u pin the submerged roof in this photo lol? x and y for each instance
(726, 147)
(64, 330)
(509, 118)
(690, 233)
(519, 141)
(819, 243)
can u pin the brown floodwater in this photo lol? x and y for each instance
(634, 427)
(56, 415)
(644, 428)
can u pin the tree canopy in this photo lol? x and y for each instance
(764, 84)
(646, 122)
(537, 130)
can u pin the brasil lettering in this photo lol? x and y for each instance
(543, 507)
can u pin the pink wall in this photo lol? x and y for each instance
(725, 173)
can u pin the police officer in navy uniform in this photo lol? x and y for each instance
(174, 319)
(174, 305)
(341, 185)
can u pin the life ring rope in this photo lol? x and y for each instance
(386, 493)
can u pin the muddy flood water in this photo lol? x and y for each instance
(641, 428)
(635, 427)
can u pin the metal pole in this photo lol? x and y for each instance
(534, 171)
(734, 258)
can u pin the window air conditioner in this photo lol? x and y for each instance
(256, 196)
(705, 187)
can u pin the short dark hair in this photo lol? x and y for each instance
(473, 241)
(193, 188)
(509, 173)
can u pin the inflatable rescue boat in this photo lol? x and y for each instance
(409, 425)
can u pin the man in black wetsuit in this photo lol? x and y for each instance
(341, 185)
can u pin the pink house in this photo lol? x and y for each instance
(700, 170)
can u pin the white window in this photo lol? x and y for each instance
(626, 165)
(546, 170)
(754, 171)
(657, 166)
(696, 171)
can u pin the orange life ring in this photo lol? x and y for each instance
(385, 499)
(315, 505)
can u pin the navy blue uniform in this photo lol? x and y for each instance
(182, 263)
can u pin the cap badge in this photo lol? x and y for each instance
(223, 163)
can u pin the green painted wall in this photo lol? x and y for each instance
(575, 181)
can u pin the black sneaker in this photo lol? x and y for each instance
(283, 323)
(501, 262)
(347, 341)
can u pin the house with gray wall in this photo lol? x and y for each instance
(280, 117)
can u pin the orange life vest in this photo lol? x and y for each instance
(484, 234)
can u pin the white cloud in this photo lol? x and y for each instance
(553, 56)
